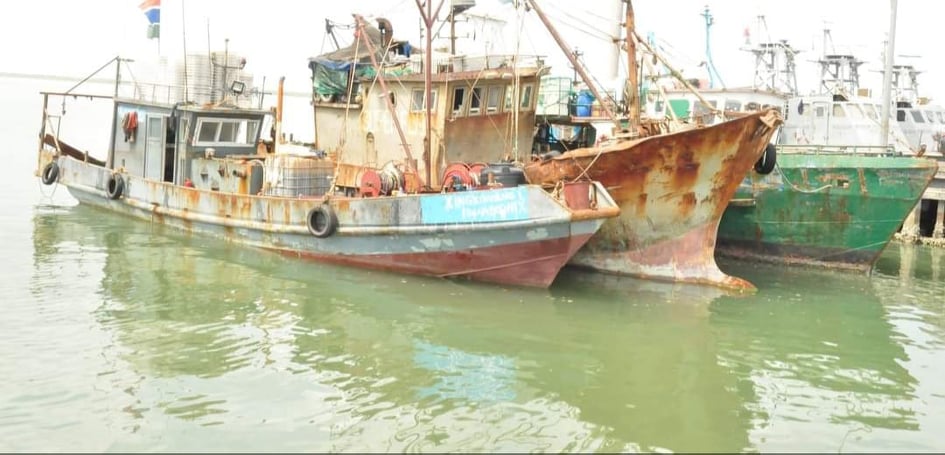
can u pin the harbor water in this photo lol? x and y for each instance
(122, 335)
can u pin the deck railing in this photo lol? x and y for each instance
(877, 150)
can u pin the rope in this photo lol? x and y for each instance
(55, 186)
(344, 127)
(777, 165)
(391, 178)
(600, 150)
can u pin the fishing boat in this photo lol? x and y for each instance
(672, 186)
(672, 182)
(197, 159)
(840, 188)
(921, 121)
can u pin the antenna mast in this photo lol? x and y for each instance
(428, 17)
(710, 66)
(633, 84)
(887, 74)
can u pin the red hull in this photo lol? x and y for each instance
(532, 264)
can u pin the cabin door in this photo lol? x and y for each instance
(182, 173)
(154, 148)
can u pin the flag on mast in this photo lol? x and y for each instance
(152, 10)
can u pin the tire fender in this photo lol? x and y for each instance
(768, 160)
(50, 173)
(322, 221)
(115, 186)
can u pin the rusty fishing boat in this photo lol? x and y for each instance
(841, 187)
(672, 182)
(672, 187)
(197, 159)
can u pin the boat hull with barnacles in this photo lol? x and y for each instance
(206, 168)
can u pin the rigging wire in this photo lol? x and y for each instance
(585, 28)
(589, 27)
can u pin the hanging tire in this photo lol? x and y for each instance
(115, 186)
(768, 159)
(322, 221)
(50, 173)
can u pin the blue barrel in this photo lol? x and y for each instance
(584, 102)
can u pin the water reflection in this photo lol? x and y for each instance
(231, 348)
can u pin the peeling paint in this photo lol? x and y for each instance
(669, 187)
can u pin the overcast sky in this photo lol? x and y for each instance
(277, 36)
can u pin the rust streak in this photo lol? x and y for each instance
(862, 177)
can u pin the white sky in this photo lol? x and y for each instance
(277, 36)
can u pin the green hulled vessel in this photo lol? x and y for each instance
(838, 210)
(836, 184)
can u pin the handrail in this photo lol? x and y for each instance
(846, 149)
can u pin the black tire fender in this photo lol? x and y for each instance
(50, 173)
(768, 160)
(322, 221)
(115, 186)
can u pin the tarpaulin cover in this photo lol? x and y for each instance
(331, 71)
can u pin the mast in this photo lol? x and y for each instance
(633, 83)
(612, 67)
(887, 74)
(452, 31)
(280, 92)
(362, 34)
(428, 18)
(577, 65)
(713, 73)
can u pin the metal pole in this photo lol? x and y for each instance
(428, 17)
(362, 33)
(280, 92)
(110, 161)
(226, 62)
(887, 74)
(427, 91)
(633, 82)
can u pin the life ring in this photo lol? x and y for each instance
(768, 159)
(322, 221)
(115, 186)
(50, 173)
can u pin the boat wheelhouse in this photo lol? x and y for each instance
(481, 108)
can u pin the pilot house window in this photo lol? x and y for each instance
(459, 97)
(495, 94)
(475, 102)
(527, 96)
(220, 131)
(416, 100)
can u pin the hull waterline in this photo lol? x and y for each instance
(825, 210)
